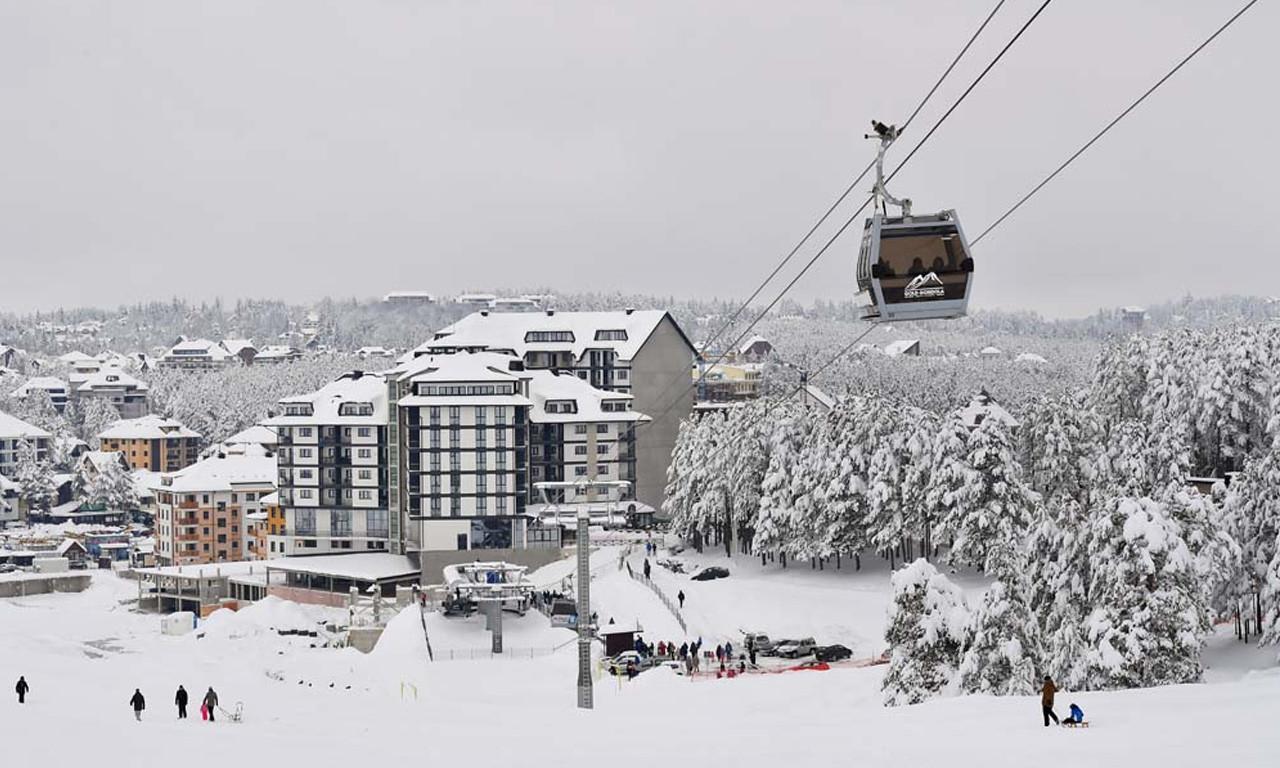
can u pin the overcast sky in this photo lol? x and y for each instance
(302, 148)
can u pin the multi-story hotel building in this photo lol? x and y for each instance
(455, 445)
(642, 353)
(333, 467)
(152, 442)
(200, 510)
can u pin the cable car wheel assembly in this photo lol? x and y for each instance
(910, 267)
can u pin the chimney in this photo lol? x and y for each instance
(629, 310)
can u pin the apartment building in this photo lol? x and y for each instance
(130, 396)
(152, 442)
(333, 467)
(53, 387)
(440, 455)
(200, 510)
(197, 355)
(13, 431)
(643, 353)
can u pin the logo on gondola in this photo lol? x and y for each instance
(924, 287)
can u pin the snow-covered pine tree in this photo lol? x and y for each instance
(990, 511)
(774, 520)
(925, 633)
(1003, 648)
(99, 414)
(112, 488)
(1147, 624)
(39, 489)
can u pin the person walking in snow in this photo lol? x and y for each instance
(646, 569)
(680, 597)
(728, 650)
(181, 700)
(138, 703)
(684, 649)
(210, 702)
(1046, 700)
(21, 688)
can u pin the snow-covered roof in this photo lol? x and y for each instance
(270, 500)
(1030, 357)
(547, 385)
(41, 383)
(12, 426)
(236, 346)
(68, 544)
(145, 482)
(100, 460)
(901, 347)
(624, 332)
(326, 402)
(408, 295)
(195, 349)
(110, 378)
(277, 351)
(370, 566)
(146, 428)
(983, 407)
(458, 367)
(991, 351)
(258, 434)
(751, 342)
(811, 392)
(224, 472)
(76, 356)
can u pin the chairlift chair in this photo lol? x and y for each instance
(911, 267)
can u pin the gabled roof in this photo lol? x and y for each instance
(108, 378)
(326, 402)
(42, 383)
(12, 426)
(235, 346)
(76, 356)
(546, 385)
(983, 407)
(100, 460)
(146, 428)
(502, 331)
(224, 472)
(901, 347)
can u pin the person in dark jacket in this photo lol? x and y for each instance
(138, 703)
(1046, 700)
(181, 700)
(21, 688)
(680, 597)
(210, 702)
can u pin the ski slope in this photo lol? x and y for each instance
(83, 655)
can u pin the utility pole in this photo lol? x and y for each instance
(584, 610)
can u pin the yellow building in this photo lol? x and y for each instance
(153, 442)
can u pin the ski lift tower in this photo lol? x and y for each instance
(583, 519)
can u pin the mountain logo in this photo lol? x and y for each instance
(925, 287)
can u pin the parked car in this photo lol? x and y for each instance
(674, 666)
(794, 649)
(710, 572)
(831, 653)
(8, 567)
(618, 664)
(772, 650)
(759, 641)
(811, 665)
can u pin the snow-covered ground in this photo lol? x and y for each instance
(83, 655)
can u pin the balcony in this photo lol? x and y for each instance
(187, 536)
(187, 520)
(188, 505)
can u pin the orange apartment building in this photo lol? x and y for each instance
(153, 442)
(210, 512)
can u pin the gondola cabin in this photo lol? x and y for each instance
(914, 268)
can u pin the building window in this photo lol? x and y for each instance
(502, 504)
(435, 506)
(482, 504)
(602, 469)
(500, 414)
(455, 437)
(304, 453)
(365, 453)
(340, 522)
(602, 449)
(455, 505)
(376, 523)
(502, 483)
(481, 442)
(305, 522)
(306, 493)
(580, 471)
(435, 486)
(304, 474)
(455, 414)
(611, 334)
(366, 474)
(434, 414)
(500, 437)
(365, 494)
(435, 438)
(482, 460)
(579, 450)
(548, 336)
(364, 431)
(620, 374)
(579, 429)
(502, 460)
(602, 429)
(480, 414)
(435, 462)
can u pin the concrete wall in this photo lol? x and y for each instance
(661, 379)
(42, 585)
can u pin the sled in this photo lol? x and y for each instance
(204, 712)
(1084, 724)
(235, 716)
